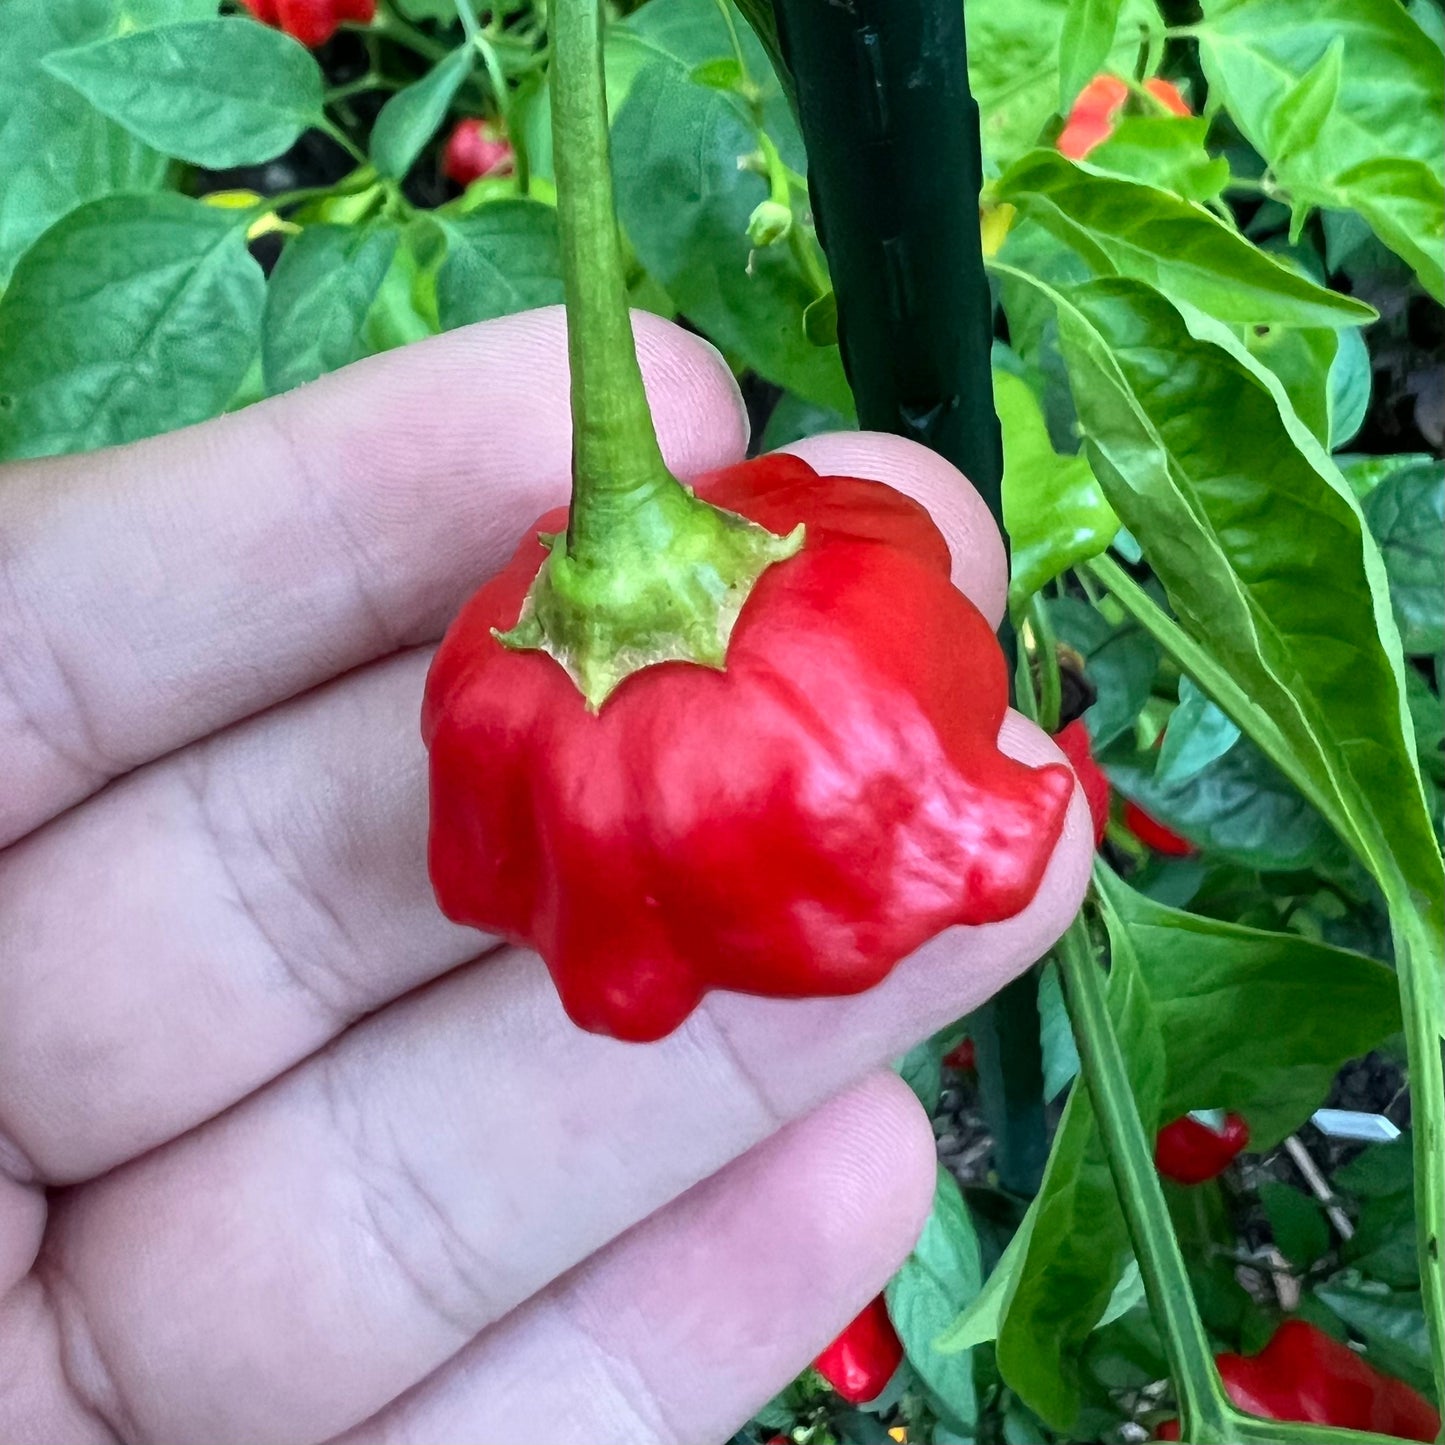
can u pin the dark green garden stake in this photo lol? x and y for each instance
(894, 172)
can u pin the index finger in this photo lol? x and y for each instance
(153, 593)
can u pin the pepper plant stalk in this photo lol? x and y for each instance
(894, 171)
(645, 572)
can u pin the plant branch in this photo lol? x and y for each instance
(1203, 1407)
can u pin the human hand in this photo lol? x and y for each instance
(320, 1162)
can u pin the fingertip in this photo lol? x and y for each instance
(980, 562)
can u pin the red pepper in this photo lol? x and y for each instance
(1091, 120)
(1190, 1152)
(1153, 833)
(793, 825)
(861, 1361)
(1303, 1374)
(1073, 741)
(475, 149)
(963, 1056)
(312, 22)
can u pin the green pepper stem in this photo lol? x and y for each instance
(1204, 1410)
(615, 454)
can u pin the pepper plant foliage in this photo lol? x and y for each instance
(1218, 488)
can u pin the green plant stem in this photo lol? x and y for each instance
(1417, 944)
(1207, 1416)
(370, 81)
(895, 171)
(726, 11)
(1204, 1410)
(344, 141)
(1047, 651)
(615, 453)
(394, 27)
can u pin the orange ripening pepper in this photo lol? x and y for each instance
(792, 825)
(1091, 119)
(861, 1361)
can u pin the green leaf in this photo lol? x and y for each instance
(500, 259)
(54, 153)
(1238, 522)
(1078, 1247)
(723, 73)
(1166, 151)
(1392, 1323)
(921, 1068)
(1120, 661)
(793, 419)
(1365, 473)
(1429, 16)
(1297, 1223)
(1056, 1035)
(1014, 63)
(411, 117)
(1195, 982)
(1229, 1001)
(1357, 133)
(692, 37)
(219, 92)
(1406, 513)
(942, 1275)
(1303, 359)
(1306, 106)
(1351, 382)
(1053, 509)
(318, 300)
(1127, 228)
(684, 203)
(1084, 45)
(131, 315)
(1240, 807)
(1382, 1181)
(1199, 734)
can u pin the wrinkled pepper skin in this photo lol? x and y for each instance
(793, 825)
(312, 22)
(1076, 746)
(1303, 1374)
(861, 1361)
(1189, 1152)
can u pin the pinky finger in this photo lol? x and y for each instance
(680, 1330)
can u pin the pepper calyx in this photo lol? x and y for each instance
(670, 589)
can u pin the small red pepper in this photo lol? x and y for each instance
(861, 1361)
(963, 1056)
(1075, 745)
(1190, 1152)
(1305, 1375)
(1154, 834)
(793, 825)
(476, 148)
(1091, 120)
(312, 22)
